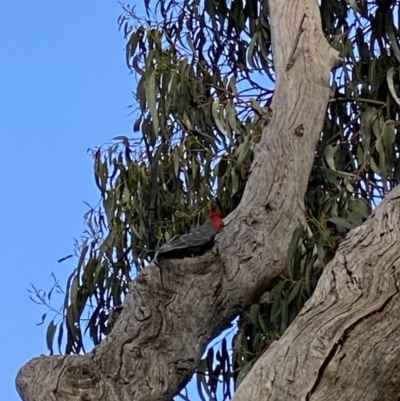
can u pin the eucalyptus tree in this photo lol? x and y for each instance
(284, 115)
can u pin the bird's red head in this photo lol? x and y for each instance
(216, 219)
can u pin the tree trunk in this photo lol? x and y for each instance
(175, 307)
(344, 345)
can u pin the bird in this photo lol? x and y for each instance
(196, 242)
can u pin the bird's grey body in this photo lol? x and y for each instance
(193, 243)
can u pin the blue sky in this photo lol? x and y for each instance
(64, 88)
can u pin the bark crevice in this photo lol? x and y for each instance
(351, 322)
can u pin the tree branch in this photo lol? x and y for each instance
(174, 309)
(351, 324)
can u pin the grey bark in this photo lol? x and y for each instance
(173, 309)
(344, 344)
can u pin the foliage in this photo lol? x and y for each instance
(205, 79)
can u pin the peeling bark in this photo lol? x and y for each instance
(175, 307)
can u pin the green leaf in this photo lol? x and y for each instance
(51, 329)
(254, 314)
(329, 154)
(390, 81)
(217, 115)
(251, 51)
(309, 270)
(374, 166)
(74, 289)
(60, 336)
(284, 313)
(261, 323)
(150, 90)
(294, 255)
(341, 223)
(235, 181)
(276, 296)
(134, 40)
(388, 138)
(42, 320)
(382, 161)
(294, 291)
(231, 114)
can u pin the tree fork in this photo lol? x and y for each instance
(172, 311)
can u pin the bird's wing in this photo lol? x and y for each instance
(196, 238)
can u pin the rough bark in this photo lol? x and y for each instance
(175, 308)
(344, 345)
